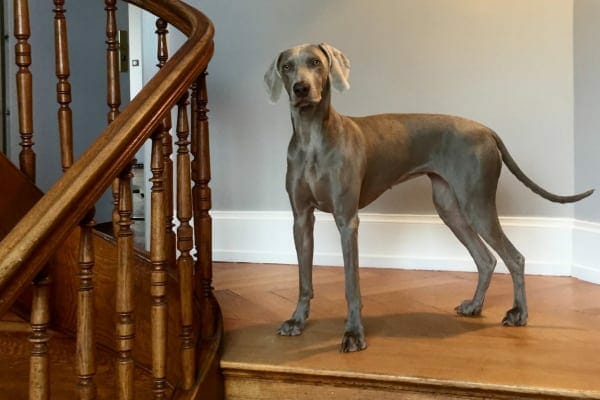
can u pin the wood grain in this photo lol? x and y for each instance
(202, 201)
(185, 244)
(22, 32)
(415, 339)
(48, 231)
(15, 366)
(31, 243)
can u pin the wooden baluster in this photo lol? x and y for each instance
(24, 87)
(162, 237)
(122, 201)
(124, 300)
(158, 277)
(85, 346)
(39, 373)
(63, 87)
(113, 98)
(185, 243)
(112, 61)
(202, 203)
(163, 56)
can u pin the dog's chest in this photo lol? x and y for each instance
(311, 175)
(313, 168)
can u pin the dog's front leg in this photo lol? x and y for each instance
(304, 222)
(354, 336)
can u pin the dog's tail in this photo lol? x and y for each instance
(514, 168)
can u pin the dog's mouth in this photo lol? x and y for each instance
(305, 102)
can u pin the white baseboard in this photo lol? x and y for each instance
(586, 251)
(551, 246)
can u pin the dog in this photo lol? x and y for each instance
(339, 164)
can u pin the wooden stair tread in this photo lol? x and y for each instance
(416, 343)
(14, 368)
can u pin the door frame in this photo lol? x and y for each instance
(3, 89)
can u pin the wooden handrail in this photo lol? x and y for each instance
(31, 243)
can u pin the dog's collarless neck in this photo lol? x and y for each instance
(316, 123)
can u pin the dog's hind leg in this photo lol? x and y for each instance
(488, 226)
(304, 222)
(450, 212)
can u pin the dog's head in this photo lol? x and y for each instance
(305, 71)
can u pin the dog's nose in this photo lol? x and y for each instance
(301, 89)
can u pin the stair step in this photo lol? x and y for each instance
(418, 348)
(246, 382)
(14, 368)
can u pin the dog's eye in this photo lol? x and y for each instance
(286, 67)
(316, 62)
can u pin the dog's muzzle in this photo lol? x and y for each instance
(302, 95)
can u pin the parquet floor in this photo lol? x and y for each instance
(14, 365)
(412, 330)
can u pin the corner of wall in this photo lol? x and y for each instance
(586, 251)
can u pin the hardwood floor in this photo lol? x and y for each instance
(418, 348)
(414, 338)
(14, 365)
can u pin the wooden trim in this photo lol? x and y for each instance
(3, 125)
(248, 381)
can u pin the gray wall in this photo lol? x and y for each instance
(587, 105)
(506, 63)
(86, 27)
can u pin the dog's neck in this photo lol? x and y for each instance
(310, 123)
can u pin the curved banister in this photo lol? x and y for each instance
(31, 243)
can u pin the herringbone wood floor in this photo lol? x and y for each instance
(412, 330)
(14, 365)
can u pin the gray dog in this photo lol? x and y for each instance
(340, 164)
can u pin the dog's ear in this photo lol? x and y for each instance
(339, 67)
(273, 82)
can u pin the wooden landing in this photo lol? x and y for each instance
(14, 366)
(417, 347)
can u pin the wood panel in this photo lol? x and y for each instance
(413, 334)
(15, 202)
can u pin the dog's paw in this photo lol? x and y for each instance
(469, 308)
(515, 317)
(353, 341)
(291, 327)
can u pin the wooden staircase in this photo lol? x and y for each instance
(14, 369)
(96, 300)
(63, 266)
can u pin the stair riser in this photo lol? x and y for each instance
(249, 385)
